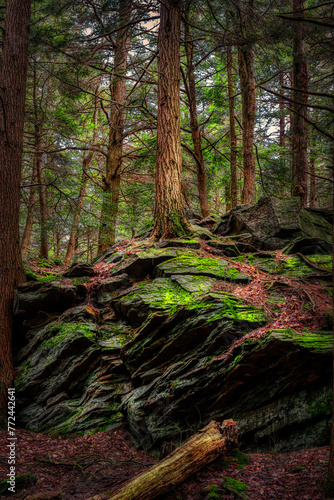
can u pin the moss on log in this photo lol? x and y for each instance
(195, 453)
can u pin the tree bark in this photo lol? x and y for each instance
(195, 131)
(30, 210)
(281, 116)
(233, 136)
(246, 73)
(12, 96)
(299, 125)
(198, 451)
(169, 216)
(44, 250)
(329, 481)
(112, 180)
(84, 178)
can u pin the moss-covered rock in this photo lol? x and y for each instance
(291, 265)
(70, 378)
(142, 264)
(273, 222)
(267, 385)
(191, 264)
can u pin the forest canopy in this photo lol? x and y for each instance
(254, 82)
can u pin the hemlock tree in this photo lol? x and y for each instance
(12, 94)
(169, 215)
(299, 125)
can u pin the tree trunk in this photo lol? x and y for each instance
(112, 180)
(169, 215)
(12, 93)
(85, 164)
(299, 125)
(329, 481)
(195, 131)
(31, 203)
(44, 251)
(198, 451)
(246, 73)
(233, 136)
(281, 116)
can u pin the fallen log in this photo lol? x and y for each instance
(190, 457)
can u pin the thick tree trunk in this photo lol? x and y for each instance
(195, 131)
(246, 73)
(169, 215)
(299, 125)
(12, 93)
(198, 451)
(233, 136)
(84, 178)
(112, 180)
(329, 481)
(30, 211)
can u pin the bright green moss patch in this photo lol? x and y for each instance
(293, 265)
(191, 264)
(235, 486)
(317, 342)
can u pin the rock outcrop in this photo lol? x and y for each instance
(272, 223)
(161, 344)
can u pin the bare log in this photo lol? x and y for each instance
(198, 451)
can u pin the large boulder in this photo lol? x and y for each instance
(70, 378)
(273, 222)
(276, 387)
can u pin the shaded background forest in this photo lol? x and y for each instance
(91, 106)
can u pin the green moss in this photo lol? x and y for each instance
(236, 360)
(235, 486)
(21, 481)
(298, 469)
(212, 492)
(55, 335)
(322, 406)
(317, 342)
(241, 458)
(80, 281)
(49, 277)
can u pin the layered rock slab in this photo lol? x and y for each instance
(273, 386)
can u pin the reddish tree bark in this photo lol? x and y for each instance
(246, 73)
(195, 131)
(12, 96)
(112, 180)
(233, 136)
(299, 125)
(169, 215)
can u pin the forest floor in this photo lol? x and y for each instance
(79, 467)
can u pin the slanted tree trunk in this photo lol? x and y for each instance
(107, 233)
(233, 136)
(198, 451)
(195, 131)
(169, 216)
(299, 125)
(246, 73)
(84, 178)
(12, 93)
